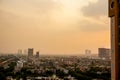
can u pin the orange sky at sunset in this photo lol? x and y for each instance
(54, 26)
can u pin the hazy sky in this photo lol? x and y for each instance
(54, 26)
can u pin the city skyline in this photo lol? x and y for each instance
(54, 26)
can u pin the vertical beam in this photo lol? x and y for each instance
(113, 74)
(114, 13)
(117, 51)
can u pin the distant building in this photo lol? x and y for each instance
(30, 52)
(25, 52)
(19, 52)
(87, 52)
(104, 53)
(19, 66)
(37, 54)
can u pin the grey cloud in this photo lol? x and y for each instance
(96, 9)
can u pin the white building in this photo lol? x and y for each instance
(19, 65)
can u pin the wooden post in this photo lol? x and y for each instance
(114, 14)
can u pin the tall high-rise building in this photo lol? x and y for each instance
(25, 52)
(37, 54)
(104, 53)
(114, 14)
(87, 52)
(30, 52)
(19, 52)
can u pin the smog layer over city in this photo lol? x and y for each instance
(54, 40)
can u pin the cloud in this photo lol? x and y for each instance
(92, 26)
(30, 7)
(95, 17)
(43, 6)
(47, 24)
(95, 9)
(46, 15)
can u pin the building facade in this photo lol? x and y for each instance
(37, 54)
(19, 52)
(104, 53)
(30, 52)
